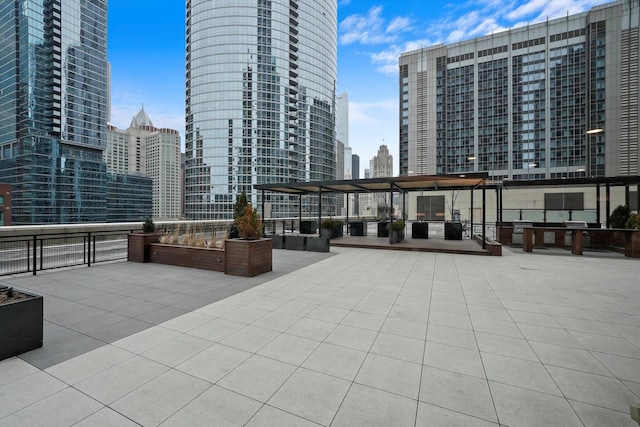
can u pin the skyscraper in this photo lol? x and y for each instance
(53, 104)
(150, 151)
(260, 100)
(518, 104)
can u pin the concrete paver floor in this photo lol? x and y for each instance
(363, 337)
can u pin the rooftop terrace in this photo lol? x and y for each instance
(353, 337)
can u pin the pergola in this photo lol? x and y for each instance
(403, 184)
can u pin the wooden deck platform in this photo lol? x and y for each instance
(465, 246)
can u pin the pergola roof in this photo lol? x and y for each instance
(372, 185)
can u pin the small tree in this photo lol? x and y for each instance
(633, 222)
(249, 224)
(148, 226)
(620, 216)
(240, 206)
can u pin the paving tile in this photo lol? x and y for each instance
(106, 417)
(457, 392)
(520, 407)
(13, 369)
(137, 309)
(116, 382)
(47, 412)
(289, 349)
(568, 357)
(594, 416)
(146, 340)
(625, 368)
(607, 344)
(82, 367)
(429, 415)
(496, 327)
(450, 319)
(519, 373)
(349, 336)
(151, 404)
(257, 377)
(505, 346)
(364, 320)
(313, 329)
(215, 406)
(27, 391)
(269, 416)
(418, 314)
(250, 338)
(548, 335)
(217, 330)
(46, 357)
(594, 389)
(399, 347)
(392, 375)
(214, 362)
(187, 322)
(276, 321)
(583, 325)
(311, 395)
(177, 350)
(161, 315)
(335, 360)
(539, 319)
(452, 336)
(218, 309)
(369, 407)
(328, 314)
(404, 327)
(454, 359)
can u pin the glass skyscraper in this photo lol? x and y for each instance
(53, 107)
(260, 101)
(518, 104)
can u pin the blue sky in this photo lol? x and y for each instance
(146, 51)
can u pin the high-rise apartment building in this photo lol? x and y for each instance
(260, 101)
(518, 104)
(142, 149)
(53, 101)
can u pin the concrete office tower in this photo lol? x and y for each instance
(53, 101)
(260, 101)
(154, 152)
(518, 104)
(342, 118)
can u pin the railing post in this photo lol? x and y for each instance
(89, 250)
(570, 214)
(520, 214)
(544, 216)
(35, 253)
(41, 254)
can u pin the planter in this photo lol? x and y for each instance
(248, 257)
(187, 256)
(138, 246)
(332, 233)
(317, 244)
(453, 231)
(20, 325)
(277, 241)
(420, 230)
(396, 236)
(295, 243)
(382, 229)
(358, 228)
(308, 227)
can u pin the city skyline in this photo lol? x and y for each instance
(148, 55)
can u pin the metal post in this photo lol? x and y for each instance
(347, 224)
(484, 216)
(35, 253)
(638, 198)
(608, 202)
(300, 210)
(263, 209)
(471, 212)
(598, 204)
(319, 208)
(626, 195)
(89, 250)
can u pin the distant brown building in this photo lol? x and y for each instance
(5, 204)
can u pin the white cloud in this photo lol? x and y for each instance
(371, 29)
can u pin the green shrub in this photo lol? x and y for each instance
(634, 221)
(331, 223)
(619, 217)
(148, 226)
(249, 224)
(396, 226)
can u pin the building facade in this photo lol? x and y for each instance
(260, 101)
(53, 101)
(519, 104)
(144, 150)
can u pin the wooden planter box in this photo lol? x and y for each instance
(248, 257)
(20, 325)
(138, 246)
(188, 256)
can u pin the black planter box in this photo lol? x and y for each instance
(452, 231)
(20, 326)
(308, 227)
(420, 230)
(358, 228)
(396, 236)
(317, 244)
(382, 229)
(277, 240)
(331, 233)
(295, 243)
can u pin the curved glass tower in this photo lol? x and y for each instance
(260, 101)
